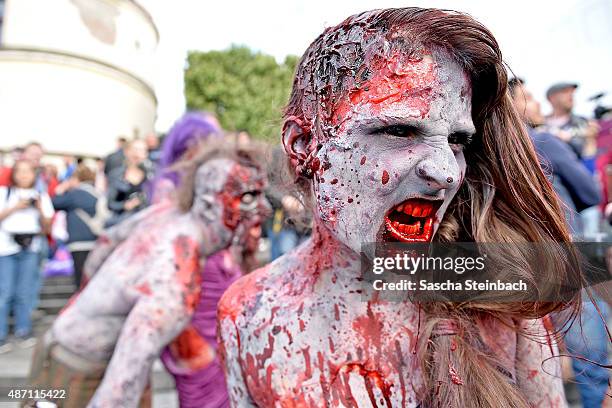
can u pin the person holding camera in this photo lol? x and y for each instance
(25, 217)
(126, 184)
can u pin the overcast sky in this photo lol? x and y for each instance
(543, 41)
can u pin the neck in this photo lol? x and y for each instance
(560, 112)
(327, 257)
(213, 238)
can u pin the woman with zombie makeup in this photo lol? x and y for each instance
(400, 129)
(144, 285)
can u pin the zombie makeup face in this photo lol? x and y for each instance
(229, 196)
(394, 160)
(245, 205)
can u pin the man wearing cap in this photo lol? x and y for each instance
(570, 178)
(579, 132)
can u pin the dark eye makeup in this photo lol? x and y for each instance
(398, 130)
(460, 138)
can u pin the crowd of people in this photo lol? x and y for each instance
(576, 152)
(142, 219)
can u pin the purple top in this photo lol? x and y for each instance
(205, 388)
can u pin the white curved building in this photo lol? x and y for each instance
(75, 74)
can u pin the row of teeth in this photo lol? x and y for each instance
(420, 210)
(407, 229)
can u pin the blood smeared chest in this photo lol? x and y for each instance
(331, 355)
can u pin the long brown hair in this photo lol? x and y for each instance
(505, 197)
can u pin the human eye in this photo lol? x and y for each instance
(398, 130)
(460, 140)
(248, 201)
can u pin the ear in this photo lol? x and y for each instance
(297, 141)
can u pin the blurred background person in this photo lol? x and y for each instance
(116, 158)
(181, 143)
(70, 164)
(604, 166)
(604, 160)
(78, 197)
(46, 178)
(572, 181)
(154, 154)
(25, 216)
(5, 170)
(284, 229)
(579, 132)
(126, 184)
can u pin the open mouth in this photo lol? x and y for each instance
(411, 220)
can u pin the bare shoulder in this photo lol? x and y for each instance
(240, 298)
(245, 297)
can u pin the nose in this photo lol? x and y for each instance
(439, 169)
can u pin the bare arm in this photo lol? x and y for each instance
(161, 312)
(230, 356)
(538, 374)
(151, 325)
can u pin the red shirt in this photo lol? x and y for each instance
(5, 176)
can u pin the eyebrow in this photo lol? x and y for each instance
(378, 122)
(373, 124)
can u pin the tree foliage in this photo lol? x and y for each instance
(246, 90)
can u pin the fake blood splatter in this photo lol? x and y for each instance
(186, 260)
(189, 343)
(144, 288)
(372, 380)
(315, 164)
(385, 177)
(238, 295)
(454, 376)
(396, 78)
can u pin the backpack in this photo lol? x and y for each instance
(97, 222)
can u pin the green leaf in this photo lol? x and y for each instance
(246, 90)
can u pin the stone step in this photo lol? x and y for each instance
(57, 290)
(59, 280)
(52, 306)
